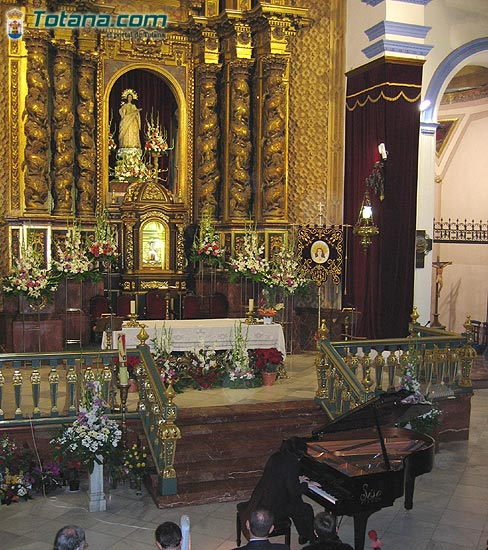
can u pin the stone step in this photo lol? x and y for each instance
(223, 449)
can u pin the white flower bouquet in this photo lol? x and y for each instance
(93, 437)
(28, 278)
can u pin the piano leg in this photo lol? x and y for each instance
(409, 488)
(360, 522)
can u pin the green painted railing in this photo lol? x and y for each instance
(352, 372)
(44, 388)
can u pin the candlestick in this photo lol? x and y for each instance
(132, 307)
(251, 304)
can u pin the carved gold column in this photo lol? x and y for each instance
(86, 158)
(208, 135)
(180, 248)
(129, 244)
(63, 128)
(273, 162)
(237, 191)
(37, 124)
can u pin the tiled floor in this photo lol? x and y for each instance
(450, 505)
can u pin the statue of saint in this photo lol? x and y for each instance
(130, 122)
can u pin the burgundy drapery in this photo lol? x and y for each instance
(155, 97)
(383, 106)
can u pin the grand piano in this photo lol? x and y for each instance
(363, 464)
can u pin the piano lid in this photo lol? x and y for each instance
(387, 408)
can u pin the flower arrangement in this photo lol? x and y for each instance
(169, 365)
(285, 271)
(156, 137)
(249, 261)
(267, 311)
(28, 278)
(268, 359)
(204, 369)
(240, 372)
(136, 461)
(104, 247)
(72, 259)
(8, 450)
(112, 146)
(93, 437)
(206, 246)
(14, 487)
(427, 422)
(46, 477)
(130, 166)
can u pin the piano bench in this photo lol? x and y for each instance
(282, 528)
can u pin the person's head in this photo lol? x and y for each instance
(70, 537)
(260, 523)
(168, 535)
(295, 446)
(325, 525)
(129, 98)
(320, 252)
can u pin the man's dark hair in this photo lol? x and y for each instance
(260, 522)
(69, 537)
(325, 525)
(168, 534)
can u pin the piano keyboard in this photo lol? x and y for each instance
(324, 494)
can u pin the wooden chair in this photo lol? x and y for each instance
(219, 306)
(191, 307)
(155, 305)
(123, 305)
(99, 305)
(282, 528)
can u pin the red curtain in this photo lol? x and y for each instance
(382, 107)
(155, 97)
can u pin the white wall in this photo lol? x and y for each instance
(462, 193)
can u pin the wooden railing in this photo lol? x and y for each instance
(352, 372)
(45, 388)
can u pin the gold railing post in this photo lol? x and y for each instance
(17, 382)
(53, 379)
(71, 384)
(168, 434)
(35, 379)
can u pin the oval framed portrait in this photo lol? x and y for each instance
(319, 252)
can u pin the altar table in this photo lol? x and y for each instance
(191, 334)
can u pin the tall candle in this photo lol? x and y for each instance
(121, 348)
(132, 307)
(251, 304)
(123, 375)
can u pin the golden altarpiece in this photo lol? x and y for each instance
(225, 67)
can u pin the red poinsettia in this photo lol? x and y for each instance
(268, 359)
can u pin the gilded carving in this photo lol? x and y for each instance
(86, 158)
(37, 128)
(274, 139)
(14, 135)
(240, 142)
(63, 122)
(180, 248)
(208, 134)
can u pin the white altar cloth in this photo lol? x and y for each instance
(189, 334)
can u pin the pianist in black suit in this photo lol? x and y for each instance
(260, 525)
(281, 487)
(325, 528)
